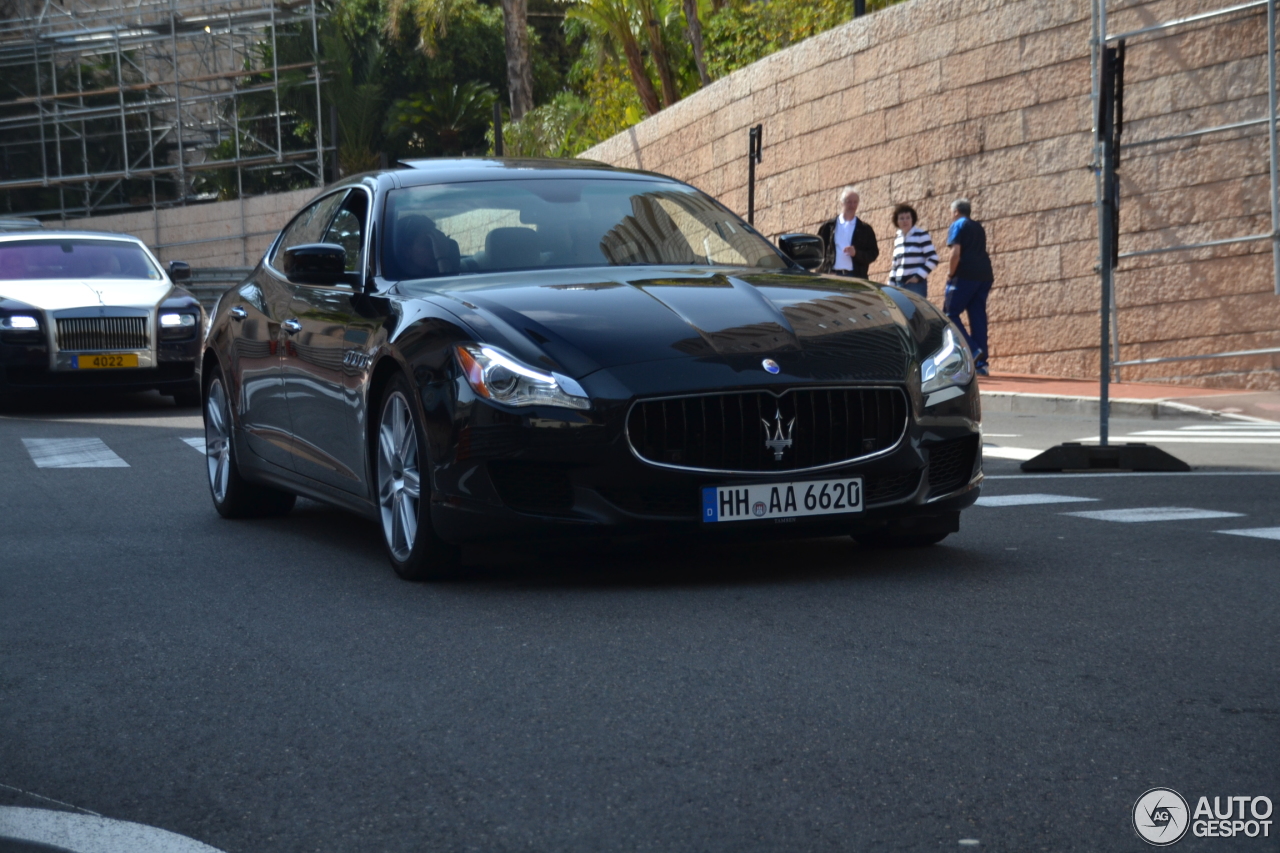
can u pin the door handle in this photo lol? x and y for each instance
(292, 326)
(238, 313)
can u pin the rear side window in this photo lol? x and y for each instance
(75, 258)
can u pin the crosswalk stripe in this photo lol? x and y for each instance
(1021, 454)
(1027, 500)
(1153, 513)
(1259, 532)
(195, 441)
(72, 453)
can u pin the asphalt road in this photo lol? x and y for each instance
(272, 686)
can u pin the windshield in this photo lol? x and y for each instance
(457, 229)
(75, 258)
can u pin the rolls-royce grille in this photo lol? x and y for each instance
(756, 431)
(101, 333)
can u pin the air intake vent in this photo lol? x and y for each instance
(757, 431)
(951, 464)
(102, 333)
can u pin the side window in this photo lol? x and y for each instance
(347, 228)
(307, 226)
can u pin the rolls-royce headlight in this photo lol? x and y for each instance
(20, 323)
(177, 326)
(496, 376)
(951, 365)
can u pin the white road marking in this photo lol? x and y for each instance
(1258, 532)
(1233, 433)
(88, 834)
(1022, 454)
(196, 441)
(1026, 500)
(1154, 513)
(1118, 474)
(1002, 435)
(72, 453)
(1178, 438)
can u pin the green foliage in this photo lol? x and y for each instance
(445, 120)
(739, 35)
(551, 130)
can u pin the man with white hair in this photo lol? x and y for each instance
(850, 243)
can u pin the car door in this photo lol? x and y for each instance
(260, 304)
(264, 406)
(316, 363)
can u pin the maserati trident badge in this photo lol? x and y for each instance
(771, 365)
(774, 441)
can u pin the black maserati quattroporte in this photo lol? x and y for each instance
(473, 350)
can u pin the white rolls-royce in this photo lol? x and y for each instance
(81, 310)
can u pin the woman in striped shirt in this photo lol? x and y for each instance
(913, 254)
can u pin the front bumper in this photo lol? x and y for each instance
(556, 475)
(25, 367)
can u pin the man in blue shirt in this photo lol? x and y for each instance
(969, 280)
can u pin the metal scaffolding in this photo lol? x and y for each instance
(120, 108)
(1108, 52)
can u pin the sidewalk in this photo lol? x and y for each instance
(1016, 392)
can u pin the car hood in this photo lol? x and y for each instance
(586, 320)
(61, 294)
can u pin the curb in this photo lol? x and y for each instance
(1059, 404)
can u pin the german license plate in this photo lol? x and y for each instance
(125, 359)
(781, 500)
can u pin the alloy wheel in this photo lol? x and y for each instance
(217, 439)
(399, 483)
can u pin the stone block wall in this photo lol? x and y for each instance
(930, 100)
(218, 234)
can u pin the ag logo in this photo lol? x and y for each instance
(1160, 816)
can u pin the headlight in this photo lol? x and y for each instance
(494, 375)
(171, 321)
(952, 365)
(177, 326)
(20, 323)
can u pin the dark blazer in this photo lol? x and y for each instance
(864, 241)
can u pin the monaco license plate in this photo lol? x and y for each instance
(100, 361)
(781, 500)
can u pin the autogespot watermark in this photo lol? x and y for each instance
(1162, 817)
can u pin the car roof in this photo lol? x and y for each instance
(54, 236)
(461, 169)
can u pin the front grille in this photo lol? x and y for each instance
(951, 464)
(102, 333)
(532, 486)
(728, 432)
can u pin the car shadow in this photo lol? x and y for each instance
(91, 402)
(685, 562)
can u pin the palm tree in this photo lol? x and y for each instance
(431, 20)
(695, 37)
(611, 20)
(649, 12)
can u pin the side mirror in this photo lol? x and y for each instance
(179, 271)
(805, 249)
(315, 263)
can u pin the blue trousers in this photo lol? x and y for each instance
(920, 288)
(967, 296)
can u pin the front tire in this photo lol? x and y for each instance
(404, 490)
(233, 496)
